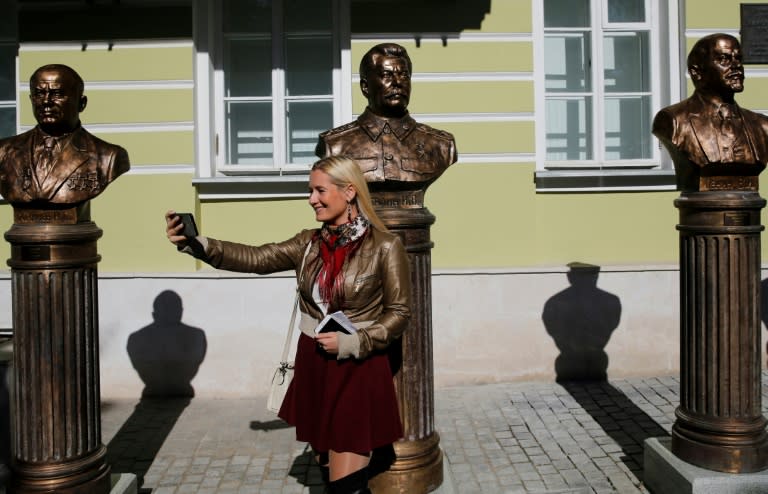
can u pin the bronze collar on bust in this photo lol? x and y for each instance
(374, 125)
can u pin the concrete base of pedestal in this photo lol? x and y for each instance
(665, 473)
(124, 483)
(447, 487)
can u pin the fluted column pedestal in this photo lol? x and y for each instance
(719, 424)
(56, 398)
(418, 467)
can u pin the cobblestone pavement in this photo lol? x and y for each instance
(531, 437)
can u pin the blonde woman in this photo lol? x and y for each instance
(342, 399)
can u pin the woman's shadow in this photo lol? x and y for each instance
(167, 355)
(581, 320)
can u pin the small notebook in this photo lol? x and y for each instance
(336, 321)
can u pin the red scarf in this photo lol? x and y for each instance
(334, 252)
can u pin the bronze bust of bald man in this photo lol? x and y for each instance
(57, 163)
(714, 143)
(392, 149)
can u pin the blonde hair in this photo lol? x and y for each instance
(345, 171)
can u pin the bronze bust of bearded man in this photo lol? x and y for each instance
(714, 143)
(58, 163)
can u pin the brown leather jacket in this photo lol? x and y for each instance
(377, 282)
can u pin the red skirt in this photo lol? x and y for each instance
(342, 405)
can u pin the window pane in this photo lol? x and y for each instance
(569, 128)
(7, 73)
(626, 62)
(308, 15)
(247, 16)
(7, 121)
(248, 68)
(305, 121)
(626, 10)
(249, 131)
(567, 62)
(309, 65)
(627, 121)
(566, 13)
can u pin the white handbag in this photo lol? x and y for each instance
(283, 375)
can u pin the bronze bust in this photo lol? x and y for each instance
(715, 144)
(393, 150)
(57, 163)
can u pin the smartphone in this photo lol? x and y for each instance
(190, 228)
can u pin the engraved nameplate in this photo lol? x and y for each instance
(735, 218)
(398, 199)
(35, 252)
(728, 183)
(58, 216)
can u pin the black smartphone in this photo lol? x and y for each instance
(190, 228)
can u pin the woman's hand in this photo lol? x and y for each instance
(328, 342)
(173, 229)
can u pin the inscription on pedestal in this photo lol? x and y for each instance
(736, 218)
(35, 252)
(36, 216)
(400, 199)
(728, 183)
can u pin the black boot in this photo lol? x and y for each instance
(354, 483)
(324, 473)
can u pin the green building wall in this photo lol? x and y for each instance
(489, 215)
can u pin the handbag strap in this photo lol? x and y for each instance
(289, 336)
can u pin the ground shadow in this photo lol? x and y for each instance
(5, 417)
(269, 425)
(619, 417)
(581, 319)
(167, 355)
(135, 446)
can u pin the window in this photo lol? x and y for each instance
(7, 89)
(275, 83)
(8, 51)
(601, 87)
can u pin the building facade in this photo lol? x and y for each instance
(555, 235)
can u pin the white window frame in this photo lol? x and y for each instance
(667, 85)
(10, 39)
(13, 103)
(214, 177)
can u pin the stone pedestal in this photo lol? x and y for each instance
(665, 473)
(418, 467)
(719, 423)
(56, 417)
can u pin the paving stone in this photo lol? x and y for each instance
(523, 438)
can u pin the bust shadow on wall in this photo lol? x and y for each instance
(581, 319)
(167, 355)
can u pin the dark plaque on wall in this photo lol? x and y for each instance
(754, 32)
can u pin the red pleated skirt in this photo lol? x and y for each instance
(342, 405)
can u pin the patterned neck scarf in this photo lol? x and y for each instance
(337, 244)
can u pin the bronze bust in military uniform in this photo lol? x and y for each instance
(714, 143)
(57, 164)
(400, 158)
(394, 151)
